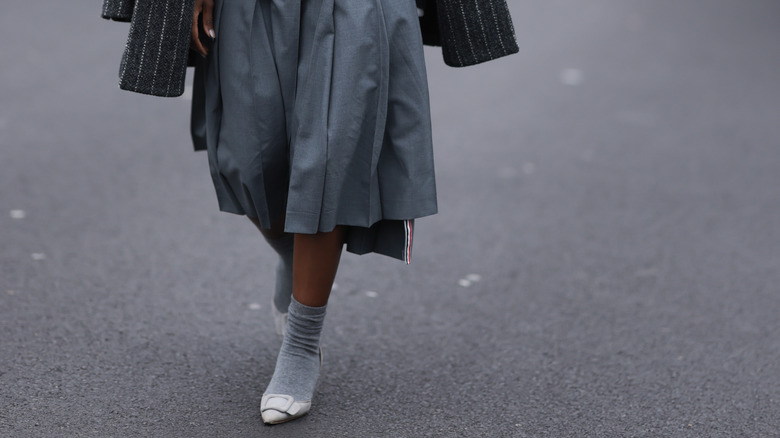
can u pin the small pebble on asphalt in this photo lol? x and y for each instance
(38, 256)
(571, 76)
(18, 214)
(255, 306)
(371, 294)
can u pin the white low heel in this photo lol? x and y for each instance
(280, 320)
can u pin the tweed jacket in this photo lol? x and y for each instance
(158, 45)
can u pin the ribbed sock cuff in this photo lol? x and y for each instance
(306, 311)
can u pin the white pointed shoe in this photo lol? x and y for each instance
(280, 408)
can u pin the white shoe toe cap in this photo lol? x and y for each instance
(278, 408)
(272, 416)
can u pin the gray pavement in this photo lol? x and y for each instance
(605, 263)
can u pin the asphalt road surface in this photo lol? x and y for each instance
(605, 263)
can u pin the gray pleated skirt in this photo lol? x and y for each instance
(317, 111)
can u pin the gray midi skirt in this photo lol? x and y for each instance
(317, 111)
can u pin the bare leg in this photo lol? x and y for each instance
(315, 261)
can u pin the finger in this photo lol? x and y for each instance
(195, 38)
(208, 18)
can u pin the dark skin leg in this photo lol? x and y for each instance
(315, 262)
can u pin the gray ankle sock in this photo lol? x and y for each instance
(298, 364)
(283, 289)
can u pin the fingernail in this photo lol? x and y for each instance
(212, 34)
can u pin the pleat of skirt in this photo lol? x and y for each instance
(318, 111)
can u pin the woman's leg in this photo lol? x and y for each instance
(315, 261)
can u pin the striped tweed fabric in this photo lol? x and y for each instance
(474, 31)
(119, 10)
(155, 58)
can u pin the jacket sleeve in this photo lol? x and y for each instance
(155, 57)
(474, 31)
(118, 10)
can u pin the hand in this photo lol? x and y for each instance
(205, 8)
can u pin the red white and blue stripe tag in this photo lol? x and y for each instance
(408, 231)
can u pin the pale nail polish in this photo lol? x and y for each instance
(212, 34)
